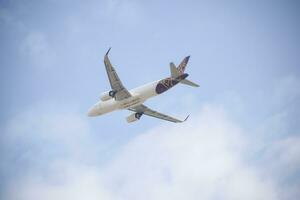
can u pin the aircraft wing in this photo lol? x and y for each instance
(147, 111)
(114, 80)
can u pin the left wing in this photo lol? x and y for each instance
(147, 111)
(116, 85)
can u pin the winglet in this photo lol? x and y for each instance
(186, 118)
(108, 51)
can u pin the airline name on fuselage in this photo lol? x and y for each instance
(131, 102)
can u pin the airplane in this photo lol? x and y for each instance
(120, 98)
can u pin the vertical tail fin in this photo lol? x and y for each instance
(182, 65)
(177, 71)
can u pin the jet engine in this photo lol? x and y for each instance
(134, 117)
(105, 96)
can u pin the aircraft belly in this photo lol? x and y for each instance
(106, 107)
(150, 92)
(146, 91)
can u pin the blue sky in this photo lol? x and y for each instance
(245, 114)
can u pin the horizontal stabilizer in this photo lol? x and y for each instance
(190, 83)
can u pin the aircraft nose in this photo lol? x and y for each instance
(92, 112)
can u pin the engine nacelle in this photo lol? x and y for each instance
(133, 117)
(105, 96)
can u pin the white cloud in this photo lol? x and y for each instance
(125, 13)
(35, 45)
(5, 16)
(78, 182)
(49, 154)
(42, 124)
(8, 18)
(38, 50)
(208, 157)
(282, 154)
(203, 158)
(286, 91)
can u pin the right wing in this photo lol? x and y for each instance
(147, 111)
(114, 80)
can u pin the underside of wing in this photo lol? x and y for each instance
(120, 91)
(142, 109)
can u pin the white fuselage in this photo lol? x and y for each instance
(139, 96)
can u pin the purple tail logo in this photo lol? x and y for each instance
(183, 64)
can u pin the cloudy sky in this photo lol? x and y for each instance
(241, 141)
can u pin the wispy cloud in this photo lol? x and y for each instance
(52, 151)
(208, 157)
(128, 12)
(37, 49)
(205, 158)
